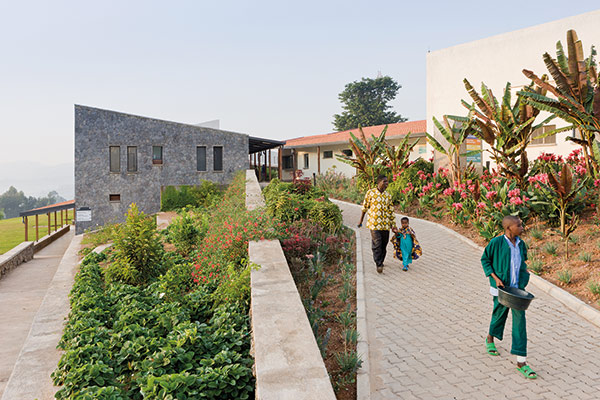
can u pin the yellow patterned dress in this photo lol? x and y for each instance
(379, 209)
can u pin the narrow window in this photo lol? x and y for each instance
(201, 158)
(306, 161)
(157, 155)
(115, 158)
(347, 152)
(114, 197)
(131, 158)
(218, 158)
(328, 154)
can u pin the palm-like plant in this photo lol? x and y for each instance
(506, 127)
(397, 157)
(577, 95)
(455, 135)
(368, 156)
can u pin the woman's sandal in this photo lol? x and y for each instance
(491, 348)
(527, 372)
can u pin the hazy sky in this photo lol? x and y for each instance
(267, 68)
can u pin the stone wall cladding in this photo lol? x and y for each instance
(97, 129)
(15, 257)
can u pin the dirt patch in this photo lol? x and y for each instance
(164, 218)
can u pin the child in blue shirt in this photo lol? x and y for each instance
(406, 245)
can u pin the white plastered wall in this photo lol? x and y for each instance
(497, 60)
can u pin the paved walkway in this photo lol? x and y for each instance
(21, 293)
(427, 328)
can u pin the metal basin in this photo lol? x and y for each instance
(514, 298)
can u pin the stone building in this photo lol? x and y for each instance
(122, 159)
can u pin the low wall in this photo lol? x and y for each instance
(287, 360)
(16, 256)
(25, 251)
(46, 240)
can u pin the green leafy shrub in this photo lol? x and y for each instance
(565, 276)
(187, 230)
(327, 214)
(137, 252)
(204, 195)
(574, 239)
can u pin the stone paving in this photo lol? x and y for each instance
(427, 328)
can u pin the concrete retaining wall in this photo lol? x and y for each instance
(287, 361)
(25, 251)
(16, 256)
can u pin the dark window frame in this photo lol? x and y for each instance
(198, 163)
(327, 154)
(157, 161)
(287, 162)
(218, 159)
(306, 159)
(114, 159)
(132, 159)
(347, 152)
(114, 197)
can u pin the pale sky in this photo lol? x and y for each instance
(271, 69)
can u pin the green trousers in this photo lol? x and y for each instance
(519, 329)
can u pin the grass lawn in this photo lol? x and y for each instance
(12, 231)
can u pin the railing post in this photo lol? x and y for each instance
(49, 224)
(55, 222)
(26, 227)
(37, 225)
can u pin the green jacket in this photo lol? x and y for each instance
(496, 258)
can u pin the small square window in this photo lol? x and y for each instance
(114, 197)
(347, 152)
(328, 154)
(546, 140)
(157, 155)
(287, 162)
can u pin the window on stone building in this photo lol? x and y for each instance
(157, 155)
(115, 158)
(287, 162)
(218, 158)
(201, 158)
(131, 158)
(114, 197)
(347, 152)
(306, 161)
(328, 154)
(546, 140)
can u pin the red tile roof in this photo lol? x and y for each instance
(64, 203)
(399, 129)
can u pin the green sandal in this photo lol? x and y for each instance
(527, 372)
(491, 348)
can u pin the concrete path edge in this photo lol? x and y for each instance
(579, 307)
(39, 356)
(363, 382)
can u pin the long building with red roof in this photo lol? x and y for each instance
(317, 153)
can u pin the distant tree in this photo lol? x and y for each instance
(14, 201)
(1, 213)
(365, 103)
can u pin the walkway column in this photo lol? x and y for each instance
(269, 165)
(49, 224)
(62, 221)
(280, 160)
(37, 225)
(26, 229)
(319, 160)
(55, 222)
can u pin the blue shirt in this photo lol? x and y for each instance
(515, 261)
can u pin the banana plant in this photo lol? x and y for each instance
(368, 160)
(576, 95)
(562, 191)
(507, 128)
(455, 135)
(397, 157)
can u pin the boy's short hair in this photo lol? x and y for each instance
(404, 219)
(381, 177)
(508, 220)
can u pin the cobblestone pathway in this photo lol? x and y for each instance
(427, 328)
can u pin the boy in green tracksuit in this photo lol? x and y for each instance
(503, 262)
